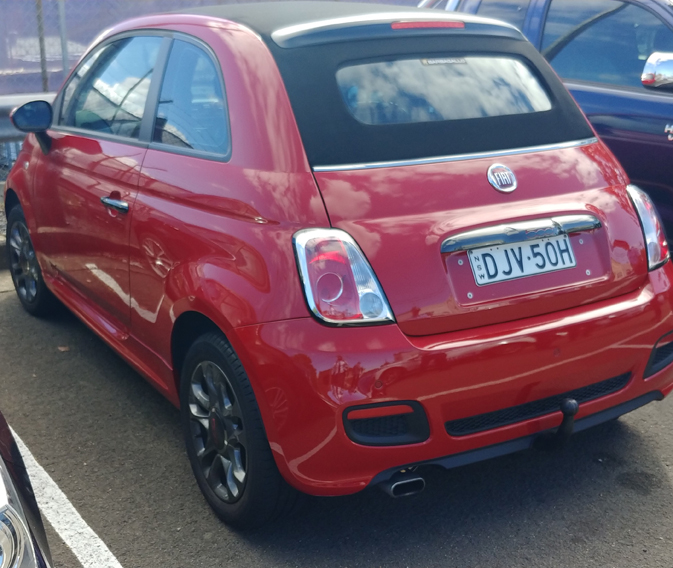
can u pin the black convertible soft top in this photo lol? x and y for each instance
(265, 18)
(311, 41)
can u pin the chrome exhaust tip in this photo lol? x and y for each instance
(403, 485)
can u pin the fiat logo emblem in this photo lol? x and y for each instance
(502, 178)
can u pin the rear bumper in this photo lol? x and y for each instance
(305, 376)
(525, 443)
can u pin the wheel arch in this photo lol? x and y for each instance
(195, 321)
(11, 200)
(187, 327)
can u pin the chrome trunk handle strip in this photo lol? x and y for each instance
(520, 231)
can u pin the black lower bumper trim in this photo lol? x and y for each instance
(662, 356)
(504, 448)
(533, 409)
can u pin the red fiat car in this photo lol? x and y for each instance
(347, 241)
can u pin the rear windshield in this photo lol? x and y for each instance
(440, 88)
(405, 98)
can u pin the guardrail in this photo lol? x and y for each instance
(10, 138)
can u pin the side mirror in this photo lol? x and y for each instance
(658, 72)
(35, 116)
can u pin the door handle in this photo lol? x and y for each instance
(118, 204)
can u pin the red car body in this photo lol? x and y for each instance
(210, 242)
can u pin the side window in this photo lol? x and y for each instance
(192, 111)
(602, 41)
(510, 11)
(109, 91)
(76, 79)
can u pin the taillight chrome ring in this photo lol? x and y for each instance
(335, 296)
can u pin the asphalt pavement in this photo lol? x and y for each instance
(113, 445)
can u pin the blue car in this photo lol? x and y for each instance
(616, 58)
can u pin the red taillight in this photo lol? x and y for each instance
(332, 280)
(339, 284)
(653, 231)
(417, 25)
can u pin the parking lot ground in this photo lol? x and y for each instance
(113, 446)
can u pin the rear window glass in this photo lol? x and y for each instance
(341, 126)
(440, 88)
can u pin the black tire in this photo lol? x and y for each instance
(225, 438)
(29, 284)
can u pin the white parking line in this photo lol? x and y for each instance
(90, 550)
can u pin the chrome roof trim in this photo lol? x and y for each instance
(457, 157)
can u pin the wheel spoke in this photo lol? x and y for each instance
(203, 422)
(228, 400)
(15, 241)
(198, 413)
(207, 371)
(211, 387)
(233, 485)
(231, 410)
(226, 411)
(214, 475)
(23, 230)
(237, 438)
(219, 388)
(238, 470)
(207, 450)
(200, 396)
(31, 288)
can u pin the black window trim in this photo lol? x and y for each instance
(163, 147)
(159, 64)
(145, 136)
(147, 124)
(609, 86)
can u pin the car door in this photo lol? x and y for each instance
(599, 49)
(177, 214)
(85, 187)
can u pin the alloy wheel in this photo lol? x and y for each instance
(217, 431)
(23, 262)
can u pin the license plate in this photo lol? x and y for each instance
(517, 260)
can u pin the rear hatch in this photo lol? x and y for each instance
(419, 225)
(464, 170)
